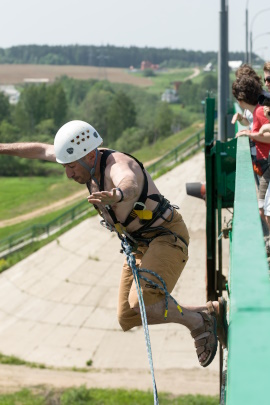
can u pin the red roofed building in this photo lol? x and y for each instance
(145, 64)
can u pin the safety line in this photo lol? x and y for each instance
(127, 249)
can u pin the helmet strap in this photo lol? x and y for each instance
(91, 170)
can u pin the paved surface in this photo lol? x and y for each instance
(58, 306)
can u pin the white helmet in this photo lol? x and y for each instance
(74, 140)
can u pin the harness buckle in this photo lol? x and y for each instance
(139, 206)
(140, 210)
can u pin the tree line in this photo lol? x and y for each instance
(127, 117)
(109, 56)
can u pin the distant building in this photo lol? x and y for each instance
(145, 64)
(235, 64)
(36, 81)
(208, 67)
(12, 94)
(170, 96)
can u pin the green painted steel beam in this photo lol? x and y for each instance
(249, 291)
(209, 121)
(210, 201)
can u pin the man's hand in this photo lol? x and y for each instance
(105, 197)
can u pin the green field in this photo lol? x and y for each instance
(84, 396)
(42, 219)
(163, 146)
(21, 195)
(164, 80)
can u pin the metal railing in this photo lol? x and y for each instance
(41, 231)
(249, 293)
(230, 182)
(183, 150)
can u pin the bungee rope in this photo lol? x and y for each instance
(128, 250)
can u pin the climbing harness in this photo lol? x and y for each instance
(146, 217)
(139, 209)
(128, 250)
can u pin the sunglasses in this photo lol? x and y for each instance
(267, 79)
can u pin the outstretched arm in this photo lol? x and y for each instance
(123, 177)
(29, 150)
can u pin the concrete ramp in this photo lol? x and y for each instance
(58, 306)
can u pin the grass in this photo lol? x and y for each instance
(163, 146)
(84, 396)
(43, 219)
(20, 195)
(198, 79)
(15, 257)
(165, 169)
(164, 80)
(16, 361)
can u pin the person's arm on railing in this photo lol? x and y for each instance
(29, 150)
(263, 135)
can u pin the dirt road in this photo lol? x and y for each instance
(175, 381)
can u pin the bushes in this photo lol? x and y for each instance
(13, 166)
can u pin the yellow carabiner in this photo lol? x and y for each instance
(180, 309)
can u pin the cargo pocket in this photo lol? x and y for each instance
(179, 244)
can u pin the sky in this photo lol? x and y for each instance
(176, 24)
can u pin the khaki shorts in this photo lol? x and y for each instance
(165, 256)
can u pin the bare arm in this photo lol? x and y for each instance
(123, 177)
(29, 150)
(244, 132)
(261, 136)
(240, 118)
(265, 138)
(264, 129)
